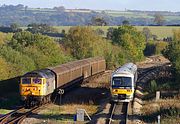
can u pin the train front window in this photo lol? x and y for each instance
(37, 81)
(26, 80)
(122, 82)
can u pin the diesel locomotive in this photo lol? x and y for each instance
(37, 86)
(123, 82)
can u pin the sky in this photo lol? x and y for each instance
(158, 5)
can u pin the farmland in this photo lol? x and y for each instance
(160, 31)
(24, 15)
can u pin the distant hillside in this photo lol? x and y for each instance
(59, 16)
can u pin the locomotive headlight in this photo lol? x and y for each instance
(115, 90)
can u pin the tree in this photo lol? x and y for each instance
(130, 40)
(60, 8)
(80, 40)
(43, 50)
(172, 51)
(110, 33)
(159, 19)
(83, 42)
(99, 31)
(15, 27)
(98, 21)
(40, 28)
(17, 58)
(4, 69)
(125, 22)
(155, 37)
(147, 33)
(160, 46)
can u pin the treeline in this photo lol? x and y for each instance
(172, 52)
(126, 44)
(58, 16)
(24, 51)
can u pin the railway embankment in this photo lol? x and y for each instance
(146, 107)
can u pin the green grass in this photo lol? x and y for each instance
(4, 111)
(160, 31)
(65, 113)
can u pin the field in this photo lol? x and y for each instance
(113, 13)
(160, 31)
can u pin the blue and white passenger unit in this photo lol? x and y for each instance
(123, 82)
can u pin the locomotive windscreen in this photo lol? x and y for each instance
(26, 81)
(122, 82)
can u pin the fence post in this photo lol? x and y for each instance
(157, 95)
(159, 119)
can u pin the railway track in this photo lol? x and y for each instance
(118, 113)
(17, 116)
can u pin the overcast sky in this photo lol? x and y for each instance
(168, 5)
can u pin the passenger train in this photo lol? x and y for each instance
(123, 82)
(36, 87)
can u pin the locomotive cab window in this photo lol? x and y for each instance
(122, 82)
(37, 80)
(26, 80)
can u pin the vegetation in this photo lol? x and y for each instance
(146, 31)
(159, 19)
(83, 42)
(169, 109)
(155, 47)
(41, 28)
(125, 22)
(61, 16)
(26, 51)
(159, 31)
(172, 52)
(66, 113)
(131, 41)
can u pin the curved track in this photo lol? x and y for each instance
(118, 113)
(17, 116)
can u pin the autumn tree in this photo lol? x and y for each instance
(82, 42)
(17, 58)
(130, 40)
(42, 49)
(5, 69)
(172, 51)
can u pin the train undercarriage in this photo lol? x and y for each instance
(31, 101)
